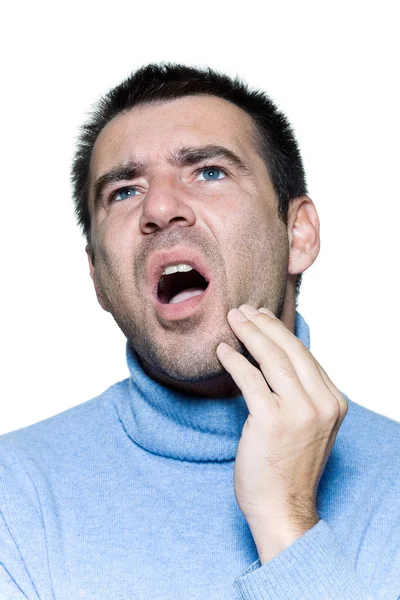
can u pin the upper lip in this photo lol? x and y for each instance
(159, 261)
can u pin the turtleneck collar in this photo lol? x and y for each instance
(183, 427)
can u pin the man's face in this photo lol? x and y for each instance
(224, 218)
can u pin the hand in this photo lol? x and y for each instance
(289, 433)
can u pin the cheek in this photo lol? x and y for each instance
(256, 250)
(240, 250)
(115, 240)
(112, 258)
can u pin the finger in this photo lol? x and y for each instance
(248, 379)
(274, 363)
(343, 405)
(307, 369)
(341, 400)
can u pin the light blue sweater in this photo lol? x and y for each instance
(130, 496)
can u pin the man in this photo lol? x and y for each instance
(228, 465)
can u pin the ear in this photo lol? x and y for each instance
(99, 295)
(303, 230)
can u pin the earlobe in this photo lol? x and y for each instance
(99, 295)
(304, 238)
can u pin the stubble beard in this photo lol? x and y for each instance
(187, 354)
(181, 350)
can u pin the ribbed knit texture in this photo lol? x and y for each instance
(130, 496)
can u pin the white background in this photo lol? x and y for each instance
(332, 67)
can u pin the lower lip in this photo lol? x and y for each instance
(181, 310)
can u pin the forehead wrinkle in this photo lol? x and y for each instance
(180, 157)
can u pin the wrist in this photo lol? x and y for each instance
(272, 539)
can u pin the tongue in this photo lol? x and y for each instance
(185, 294)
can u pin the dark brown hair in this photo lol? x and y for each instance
(274, 136)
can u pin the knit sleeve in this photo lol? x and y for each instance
(9, 589)
(23, 556)
(15, 583)
(314, 567)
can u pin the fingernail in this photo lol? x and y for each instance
(248, 310)
(267, 312)
(237, 314)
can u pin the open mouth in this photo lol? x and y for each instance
(180, 286)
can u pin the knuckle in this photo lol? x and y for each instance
(307, 416)
(344, 406)
(301, 348)
(254, 380)
(287, 370)
(331, 411)
(275, 353)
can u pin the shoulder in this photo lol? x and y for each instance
(365, 459)
(369, 433)
(69, 431)
(360, 489)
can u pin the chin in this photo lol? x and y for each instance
(189, 371)
(187, 358)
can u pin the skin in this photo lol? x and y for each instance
(174, 207)
(295, 411)
(289, 433)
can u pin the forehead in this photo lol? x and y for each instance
(150, 132)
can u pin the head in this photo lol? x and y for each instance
(182, 162)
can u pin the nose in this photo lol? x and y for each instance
(166, 202)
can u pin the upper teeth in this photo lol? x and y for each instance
(175, 268)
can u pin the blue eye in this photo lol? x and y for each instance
(212, 173)
(124, 194)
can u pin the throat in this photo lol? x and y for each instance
(178, 287)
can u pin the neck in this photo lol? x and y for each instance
(179, 424)
(221, 386)
(288, 311)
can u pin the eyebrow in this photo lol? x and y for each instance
(182, 158)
